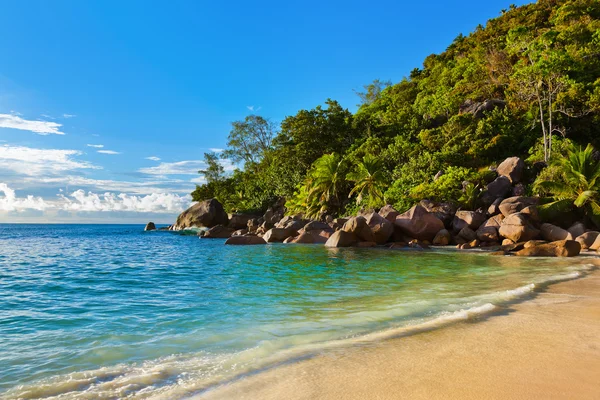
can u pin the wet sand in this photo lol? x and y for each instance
(547, 347)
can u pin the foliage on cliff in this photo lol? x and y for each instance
(517, 86)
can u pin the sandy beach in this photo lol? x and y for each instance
(547, 347)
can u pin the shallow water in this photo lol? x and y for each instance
(110, 311)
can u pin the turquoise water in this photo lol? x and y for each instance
(110, 311)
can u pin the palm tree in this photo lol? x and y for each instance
(327, 178)
(578, 182)
(369, 180)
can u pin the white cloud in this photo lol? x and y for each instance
(10, 202)
(216, 150)
(253, 109)
(145, 187)
(69, 115)
(108, 152)
(39, 162)
(80, 200)
(97, 146)
(153, 158)
(40, 127)
(189, 167)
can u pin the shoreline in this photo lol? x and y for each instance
(546, 346)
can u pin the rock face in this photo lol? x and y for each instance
(515, 204)
(382, 228)
(442, 238)
(588, 239)
(207, 214)
(388, 212)
(561, 248)
(577, 229)
(471, 219)
(359, 227)
(418, 223)
(488, 234)
(341, 238)
(218, 232)
(500, 187)
(512, 168)
(443, 211)
(553, 233)
(517, 228)
(275, 235)
(316, 226)
(478, 109)
(245, 240)
(239, 221)
(467, 234)
(150, 226)
(494, 209)
(303, 238)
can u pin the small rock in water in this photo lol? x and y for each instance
(150, 226)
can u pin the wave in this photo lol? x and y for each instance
(186, 375)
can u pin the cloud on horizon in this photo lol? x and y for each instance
(14, 121)
(30, 161)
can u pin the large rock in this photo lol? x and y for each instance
(562, 248)
(500, 187)
(553, 233)
(382, 228)
(418, 223)
(488, 234)
(494, 209)
(442, 238)
(239, 221)
(515, 204)
(321, 236)
(359, 227)
(278, 235)
(443, 211)
(303, 238)
(467, 234)
(472, 219)
(480, 108)
(207, 213)
(588, 240)
(245, 240)
(218, 232)
(512, 168)
(388, 212)
(341, 239)
(577, 229)
(150, 226)
(316, 226)
(517, 228)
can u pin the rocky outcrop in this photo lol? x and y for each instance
(472, 219)
(442, 238)
(478, 109)
(206, 214)
(488, 234)
(499, 188)
(517, 228)
(359, 227)
(515, 204)
(278, 235)
(443, 211)
(588, 240)
(150, 226)
(218, 232)
(577, 229)
(512, 168)
(382, 228)
(239, 221)
(467, 234)
(388, 212)
(418, 223)
(341, 238)
(562, 248)
(245, 240)
(553, 233)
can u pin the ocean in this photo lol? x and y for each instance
(111, 311)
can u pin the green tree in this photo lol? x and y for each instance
(369, 181)
(214, 170)
(576, 183)
(250, 140)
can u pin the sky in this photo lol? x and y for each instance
(107, 107)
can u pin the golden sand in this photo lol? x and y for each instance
(544, 348)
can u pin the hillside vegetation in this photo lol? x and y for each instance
(525, 84)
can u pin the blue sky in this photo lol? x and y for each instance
(164, 80)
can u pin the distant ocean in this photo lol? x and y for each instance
(110, 311)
